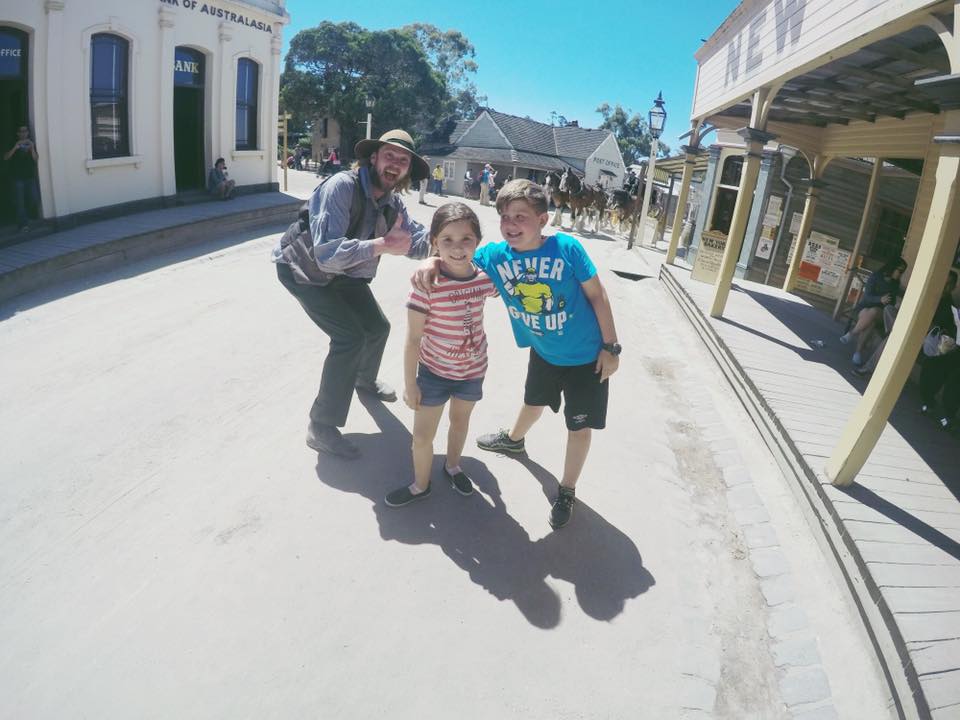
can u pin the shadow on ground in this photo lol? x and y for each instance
(484, 540)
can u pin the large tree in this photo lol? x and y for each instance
(331, 69)
(452, 55)
(632, 133)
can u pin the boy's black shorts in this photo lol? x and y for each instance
(585, 397)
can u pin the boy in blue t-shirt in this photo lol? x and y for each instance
(560, 310)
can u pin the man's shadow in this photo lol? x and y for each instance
(483, 539)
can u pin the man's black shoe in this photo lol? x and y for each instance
(562, 508)
(326, 438)
(380, 390)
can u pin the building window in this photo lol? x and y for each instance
(247, 72)
(727, 190)
(109, 123)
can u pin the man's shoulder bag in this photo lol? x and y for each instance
(297, 243)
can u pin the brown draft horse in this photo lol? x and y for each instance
(625, 205)
(551, 185)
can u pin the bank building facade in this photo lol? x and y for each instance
(130, 102)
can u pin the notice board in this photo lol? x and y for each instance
(823, 266)
(706, 266)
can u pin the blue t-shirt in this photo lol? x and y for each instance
(542, 291)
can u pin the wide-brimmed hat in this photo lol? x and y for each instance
(419, 169)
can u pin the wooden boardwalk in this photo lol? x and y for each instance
(896, 531)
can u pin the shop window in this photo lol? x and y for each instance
(109, 122)
(247, 87)
(727, 190)
(892, 226)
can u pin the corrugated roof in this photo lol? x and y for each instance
(538, 161)
(578, 142)
(460, 129)
(524, 134)
(528, 135)
(490, 155)
(504, 156)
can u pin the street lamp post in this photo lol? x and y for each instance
(657, 118)
(369, 104)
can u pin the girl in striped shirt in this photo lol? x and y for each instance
(446, 351)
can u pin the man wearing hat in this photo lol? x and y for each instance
(327, 260)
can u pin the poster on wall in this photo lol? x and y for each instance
(765, 243)
(706, 266)
(772, 216)
(795, 223)
(822, 266)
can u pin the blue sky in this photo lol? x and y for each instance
(537, 56)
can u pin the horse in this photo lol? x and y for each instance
(599, 204)
(625, 205)
(551, 185)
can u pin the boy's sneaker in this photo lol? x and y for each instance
(857, 360)
(845, 338)
(459, 481)
(500, 442)
(562, 508)
(403, 496)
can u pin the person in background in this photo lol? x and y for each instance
(881, 290)
(422, 185)
(938, 371)
(487, 176)
(219, 183)
(438, 180)
(22, 159)
(942, 318)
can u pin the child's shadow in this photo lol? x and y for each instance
(482, 539)
(601, 562)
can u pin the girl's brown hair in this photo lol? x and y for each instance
(451, 213)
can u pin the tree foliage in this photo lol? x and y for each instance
(632, 133)
(452, 55)
(420, 78)
(331, 69)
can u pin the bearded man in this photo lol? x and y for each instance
(327, 260)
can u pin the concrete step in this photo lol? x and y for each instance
(39, 267)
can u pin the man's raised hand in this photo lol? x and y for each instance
(397, 241)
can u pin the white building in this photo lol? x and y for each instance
(130, 102)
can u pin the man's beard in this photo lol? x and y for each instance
(379, 182)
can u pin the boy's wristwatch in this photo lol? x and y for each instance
(612, 348)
